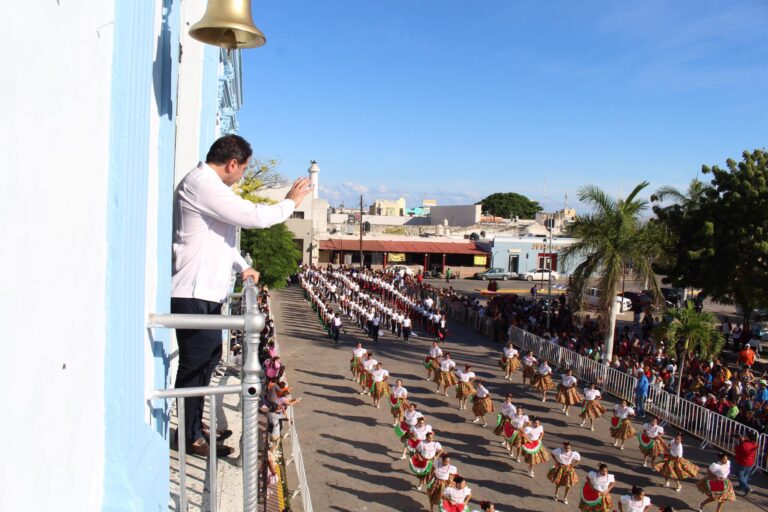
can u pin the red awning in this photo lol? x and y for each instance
(401, 246)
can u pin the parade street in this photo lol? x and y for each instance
(352, 456)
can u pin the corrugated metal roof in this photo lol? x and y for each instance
(401, 246)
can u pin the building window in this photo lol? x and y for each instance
(297, 215)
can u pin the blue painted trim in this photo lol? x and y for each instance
(136, 455)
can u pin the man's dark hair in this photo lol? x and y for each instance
(227, 148)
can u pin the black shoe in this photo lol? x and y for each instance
(202, 448)
(221, 435)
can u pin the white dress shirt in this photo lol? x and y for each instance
(206, 214)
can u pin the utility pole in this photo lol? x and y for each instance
(361, 232)
(550, 226)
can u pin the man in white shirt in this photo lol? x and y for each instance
(206, 215)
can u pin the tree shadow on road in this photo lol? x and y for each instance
(349, 400)
(334, 376)
(366, 420)
(394, 500)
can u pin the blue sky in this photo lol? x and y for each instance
(454, 100)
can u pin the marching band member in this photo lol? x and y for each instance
(464, 388)
(481, 403)
(621, 424)
(652, 442)
(398, 401)
(592, 407)
(596, 492)
(567, 393)
(563, 473)
(674, 466)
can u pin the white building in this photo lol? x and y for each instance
(123, 103)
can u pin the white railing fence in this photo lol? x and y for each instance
(712, 428)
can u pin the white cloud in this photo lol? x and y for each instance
(356, 187)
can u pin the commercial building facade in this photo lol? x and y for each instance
(522, 254)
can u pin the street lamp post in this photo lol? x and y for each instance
(550, 224)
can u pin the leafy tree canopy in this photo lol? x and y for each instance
(273, 250)
(510, 204)
(722, 238)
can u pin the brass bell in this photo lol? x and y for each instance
(228, 24)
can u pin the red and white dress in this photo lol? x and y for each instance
(416, 436)
(514, 433)
(402, 429)
(621, 426)
(594, 493)
(421, 462)
(454, 499)
(502, 419)
(442, 474)
(716, 484)
(529, 367)
(652, 443)
(534, 450)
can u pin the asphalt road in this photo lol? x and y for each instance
(352, 455)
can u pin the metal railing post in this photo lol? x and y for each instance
(251, 391)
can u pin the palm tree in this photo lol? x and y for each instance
(688, 200)
(612, 237)
(688, 330)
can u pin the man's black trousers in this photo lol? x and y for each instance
(199, 353)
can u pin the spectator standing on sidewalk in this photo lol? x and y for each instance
(744, 458)
(206, 215)
(746, 356)
(641, 392)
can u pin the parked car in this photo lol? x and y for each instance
(639, 299)
(397, 268)
(495, 273)
(592, 298)
(672, 298)
(539, 274)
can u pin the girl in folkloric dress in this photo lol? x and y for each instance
(398, 401)
(529, 367)
(464, 388)
(510, 361)
(596, 491)
(456, 497)
(379, 386)
(592, 407)
(543, 380)
(567, 394)
(674, 466)
(716, 486)
(442, 478)
(563, 473)
(444, 373)
(652, 442)
(621, 424)
(481, 403)
(636, 501)
(403, 429)
(515, 435)
(508, 410)
(431, 362)
(534, 450)
(356, 363)
(422, 461)
(366, 379)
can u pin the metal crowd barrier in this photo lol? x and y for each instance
(712, 428)
(251, 323)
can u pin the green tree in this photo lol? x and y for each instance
(510, 204)
(274, 253)
(690, 199)
(723, 239)
(687, 330)
(273, 250)
(612, 237)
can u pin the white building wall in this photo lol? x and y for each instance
(55, 159)
(459, 215)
